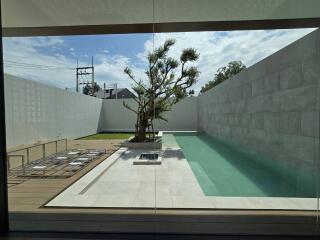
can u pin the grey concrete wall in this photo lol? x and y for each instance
(115, 117)
(271, 110)
(36, 112)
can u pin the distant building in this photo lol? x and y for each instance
(112, 93)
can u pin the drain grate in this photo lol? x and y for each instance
(151, 158)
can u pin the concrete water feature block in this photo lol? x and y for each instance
(157, 144)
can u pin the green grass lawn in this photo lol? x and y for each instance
(103, 136)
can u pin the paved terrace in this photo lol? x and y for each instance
(117, 183)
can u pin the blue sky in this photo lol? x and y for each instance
(83, 47)
(112, 53)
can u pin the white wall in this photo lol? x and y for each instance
(115, 117)
(35, 111)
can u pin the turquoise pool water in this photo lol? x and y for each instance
(223, 171)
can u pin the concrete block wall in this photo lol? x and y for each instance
(271, 110)
(37, 112)
(115, 117)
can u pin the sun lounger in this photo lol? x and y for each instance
(73, 153)
(83, 159)
(76, 163)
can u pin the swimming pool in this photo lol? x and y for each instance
(196, 172)
(223, 171)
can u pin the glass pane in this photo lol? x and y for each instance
(247, 140)
(162, 116)
(71, 110)
(317, 159)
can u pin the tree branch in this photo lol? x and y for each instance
(128, 107)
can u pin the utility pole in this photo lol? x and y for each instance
(84, 71)
(116, 87)
(77, 86)
(92, 70)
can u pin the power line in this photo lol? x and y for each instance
(36, 68)
(23, 65)
(31, 64)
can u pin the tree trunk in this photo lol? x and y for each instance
(143, 124)
(153, 135)
(142, 133)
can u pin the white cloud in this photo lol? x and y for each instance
(28, 50)
(72, 51)
(110, 70)
(216, 49)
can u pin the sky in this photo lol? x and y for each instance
(52, 60)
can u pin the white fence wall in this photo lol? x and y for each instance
(115, 117)
(35, 111)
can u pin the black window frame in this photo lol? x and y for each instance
(134, 28)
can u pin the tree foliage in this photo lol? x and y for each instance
(223, 74)
(91, 89)
(167, 82)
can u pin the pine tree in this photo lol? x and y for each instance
(168, 80)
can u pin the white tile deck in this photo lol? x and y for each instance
(116, 182)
